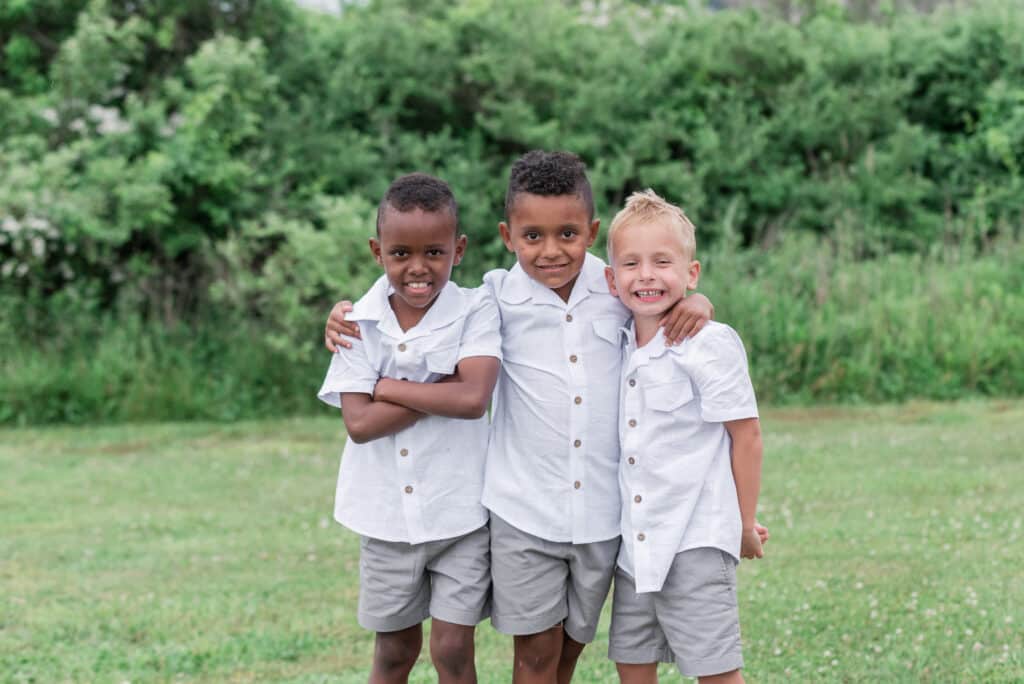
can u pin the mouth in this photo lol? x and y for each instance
(649, 295)
(551, 268)
(420, 287)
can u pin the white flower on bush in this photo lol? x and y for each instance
(108, 120)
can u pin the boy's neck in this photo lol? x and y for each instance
(646, 328)
(408, 316)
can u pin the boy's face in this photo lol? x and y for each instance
(550, 237)
(417, 250)
(650, 270)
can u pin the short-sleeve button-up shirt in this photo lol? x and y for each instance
(423, 483)
(553, 456)
(675, 475)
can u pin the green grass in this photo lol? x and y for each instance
(207, 553)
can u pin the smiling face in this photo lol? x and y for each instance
(550, 236)
(417, 250)
(651, 270)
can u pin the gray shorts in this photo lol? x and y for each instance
(539, 583)
(694, 620)
(401, 585)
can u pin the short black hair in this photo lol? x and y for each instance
(418, 191)
(549, 174)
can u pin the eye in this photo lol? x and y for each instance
(629, 263)
(664, 262)
(531, 235)
(435, 252)
(569, 233)
(399, 253)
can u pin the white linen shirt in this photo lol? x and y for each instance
(552, 462)
(675, 476)
(422, 483)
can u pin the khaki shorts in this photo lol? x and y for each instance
(693, 620)
(539, 583)
(401, 585)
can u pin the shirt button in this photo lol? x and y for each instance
(632, 383)
(401, 347)
(577, 484)
(403, 452)
(568, 318)
(573, 359)
(637, 499)
(632, 461)
(577, 444)
(640, 537)
(632, 422)
(578, 400)
(408, 489)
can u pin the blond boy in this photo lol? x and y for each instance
(690, 470)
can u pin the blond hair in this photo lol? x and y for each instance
(648, 207)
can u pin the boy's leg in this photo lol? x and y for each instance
(452, 652)
(571, 650)
(460, 586)
(394, 655)
(591, 567)
(394, 596)
(637, 674)
(530, 598)
(699, 614)
(636, 641)
(536, 656)
(734, 677)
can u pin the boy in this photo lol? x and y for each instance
(691, 467)
(552, 462)
(414, 394)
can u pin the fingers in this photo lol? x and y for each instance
(333, 340)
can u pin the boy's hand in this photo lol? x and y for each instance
(687, 317)
(762, 532)
(338, 326)
(750, 545)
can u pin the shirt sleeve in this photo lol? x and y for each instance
(722, 377)
(481, 335)
(350, 371)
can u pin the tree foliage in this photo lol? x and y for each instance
(186, 161)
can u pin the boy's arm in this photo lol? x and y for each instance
(747, 453)
(337, 326)
(465, 394)
(687, 317)
(367, 419)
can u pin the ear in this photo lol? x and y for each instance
(506, 236)
(375, 249)
(609, 275)
(595, 226)
(693, 275)
(460, 249)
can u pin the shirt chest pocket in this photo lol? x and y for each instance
(609, 330)
(442, 359)
(668, 395)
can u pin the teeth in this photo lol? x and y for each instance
(418, 286)
(648, 293)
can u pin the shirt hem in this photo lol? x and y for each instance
(364, 532)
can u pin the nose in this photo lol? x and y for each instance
(417, 265)
(550, 250)
(646, 270)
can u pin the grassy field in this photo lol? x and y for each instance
(206, 553)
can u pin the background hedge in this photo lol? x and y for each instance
(187, 186)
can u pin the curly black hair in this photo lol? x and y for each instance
(418, 191)
(549, 174)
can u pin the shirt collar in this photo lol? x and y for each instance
(374, 306)
(519, 287)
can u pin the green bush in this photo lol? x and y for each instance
(196, 171)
